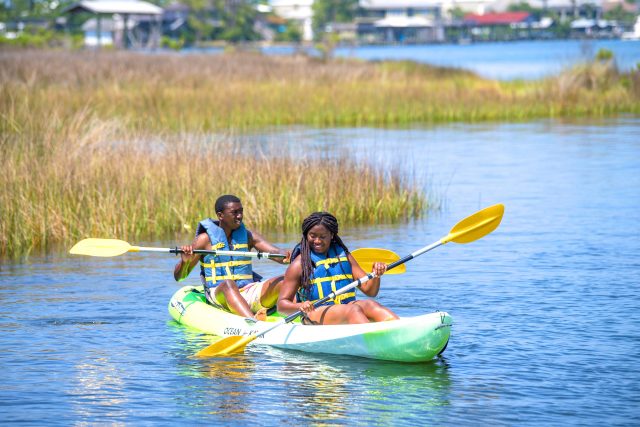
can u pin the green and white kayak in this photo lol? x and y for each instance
(409, 339)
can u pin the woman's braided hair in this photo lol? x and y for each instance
(331, 223)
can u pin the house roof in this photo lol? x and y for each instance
(501, 5)
(582, 23)
(503, 18)
(404, 22)
(124, 7)
(398, 4)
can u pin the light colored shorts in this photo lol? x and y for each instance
(251, 294)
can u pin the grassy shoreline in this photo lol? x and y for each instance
(119, 144)
(239, 91)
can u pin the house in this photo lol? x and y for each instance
(635, 34)
(595, 28)
(175, 16)
(102, 33)
(566, 9)
(407, 21)
(497, 19)
(299, 11)
(129, 23)
(499, 26)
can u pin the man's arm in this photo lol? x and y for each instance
(261, 244)
(188, 259)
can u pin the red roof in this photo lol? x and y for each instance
(503, 18)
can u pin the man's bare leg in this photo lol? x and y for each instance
(228, 295)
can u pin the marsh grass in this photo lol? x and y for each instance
(85, 177)
(218, 92)
(119, 144)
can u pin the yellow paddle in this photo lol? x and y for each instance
(115, 247)
(367, 256)
(468, 230)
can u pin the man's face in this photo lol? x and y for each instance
(231, 216)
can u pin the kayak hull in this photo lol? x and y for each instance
(409, 339)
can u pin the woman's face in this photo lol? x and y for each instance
(319, 239)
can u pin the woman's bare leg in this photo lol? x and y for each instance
(338, 314)
(374, 311)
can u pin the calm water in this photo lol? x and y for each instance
(546, 309)
(507, 60)
(502, 61)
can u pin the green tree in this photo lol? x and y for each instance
(11, 9)
(231, 20)
(526, 7)
(619, 14)
(457, 13)
(327, 11)
(291, 33)
(238, 19)
(201, 21)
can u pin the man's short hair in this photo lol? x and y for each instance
(223, 201)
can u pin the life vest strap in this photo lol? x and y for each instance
(329, 261)
(225, 264)
(230, 277)
(320, 280)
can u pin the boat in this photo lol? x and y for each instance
(408, 339)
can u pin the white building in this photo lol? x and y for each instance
(115, 22)
(421, 7)
(401, 21)
(299, 11)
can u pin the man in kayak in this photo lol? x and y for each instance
(230, 282)
(324, 265)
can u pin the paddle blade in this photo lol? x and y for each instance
(367, 256)
(100, 247)
(226, 346)
(476, 226)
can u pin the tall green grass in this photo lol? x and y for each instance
(119, 144)
(81, 176)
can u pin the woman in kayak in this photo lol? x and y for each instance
(324, 265)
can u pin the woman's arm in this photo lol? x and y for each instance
(372, 286)
(290, 286)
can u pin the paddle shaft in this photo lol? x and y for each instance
(415, 254)
(177, 250)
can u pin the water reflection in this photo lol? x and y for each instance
(234, 376)
(531, 303)
(317, 388)
(98, 388)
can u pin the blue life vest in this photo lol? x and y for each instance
(332, 272)
(216, 268)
